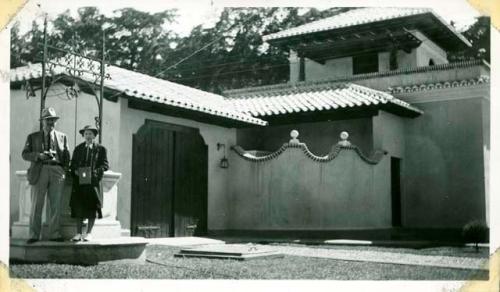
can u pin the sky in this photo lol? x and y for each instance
(206, 12)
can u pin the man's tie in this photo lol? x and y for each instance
(51, 143)
(47, 141)
(87, 155)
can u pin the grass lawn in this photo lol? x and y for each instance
(166, 266)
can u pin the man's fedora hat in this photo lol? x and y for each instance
(89, 128)
(49, 113)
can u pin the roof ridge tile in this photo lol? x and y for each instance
(294, 99)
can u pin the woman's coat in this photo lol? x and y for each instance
(98, 163)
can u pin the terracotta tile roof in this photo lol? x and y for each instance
(294, 99)
(142, 86)
(357, 17)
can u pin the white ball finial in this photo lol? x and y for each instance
(294, 134)
(343, 139)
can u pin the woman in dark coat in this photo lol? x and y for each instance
(89, 161)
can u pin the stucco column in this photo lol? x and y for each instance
(294, 62)
(388, 133)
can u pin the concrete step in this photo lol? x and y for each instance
(229, 251)
(122, 249)
(184, 241)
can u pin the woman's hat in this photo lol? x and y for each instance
(89, 128)
(49, 113)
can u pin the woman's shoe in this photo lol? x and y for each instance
(87, 237)
(77, 237)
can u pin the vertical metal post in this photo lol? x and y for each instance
(101, 95)
(73, 50)
(44, 60)
(76, 121)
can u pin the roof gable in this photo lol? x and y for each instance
(148, 88)
(292, 99)
(354, 19)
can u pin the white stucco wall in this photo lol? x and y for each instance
(342, 67)
(333, 68)
(120, 122)
(384, 62)
(389, 134)
(429, 50)
(294, 63)
(24, 120)
(294, 192)
(407, 60)
(132, 120)
(447, 157)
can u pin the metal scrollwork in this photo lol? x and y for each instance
(72, 91)
(30, 92)
(90, 65)
(69, 60)
(80, 62)
(97, 122)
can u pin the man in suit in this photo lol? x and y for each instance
(48, 152)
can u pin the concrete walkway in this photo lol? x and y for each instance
(386, 257)
(183, 241)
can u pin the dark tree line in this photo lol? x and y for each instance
(478, 35)
(231, 54)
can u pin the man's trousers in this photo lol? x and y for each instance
(50, 182)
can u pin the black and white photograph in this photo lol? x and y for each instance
(208, 140)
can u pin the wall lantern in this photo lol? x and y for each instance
(224, 163)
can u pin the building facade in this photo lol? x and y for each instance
(416, 157)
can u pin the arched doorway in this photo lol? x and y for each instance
(169, 181)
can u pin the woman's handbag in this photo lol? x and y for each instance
(84, 175)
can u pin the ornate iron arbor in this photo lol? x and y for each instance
(58, 63)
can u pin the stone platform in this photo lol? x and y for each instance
(123, 249)
(229, 251)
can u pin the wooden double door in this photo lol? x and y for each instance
(169, 181)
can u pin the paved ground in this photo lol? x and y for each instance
(343, 254)
(385, 257)
(350, 242)
(183, 241)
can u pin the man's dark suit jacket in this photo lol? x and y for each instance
(34, 146)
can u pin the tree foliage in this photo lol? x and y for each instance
(235, 54)
(478, 35)
(133, 38)
(16, 47)
(25, 48)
